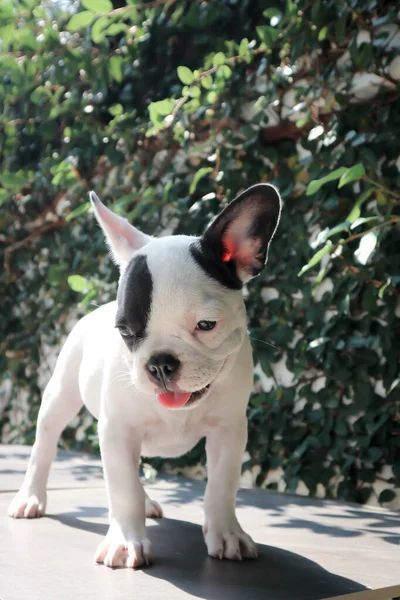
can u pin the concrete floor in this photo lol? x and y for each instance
(309, 549)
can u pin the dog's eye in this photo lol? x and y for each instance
(124, 330)
(206, 325)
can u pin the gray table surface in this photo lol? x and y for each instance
(309, 549)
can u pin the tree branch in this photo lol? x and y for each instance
(36, 233)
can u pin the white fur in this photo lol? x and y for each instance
(96, 368)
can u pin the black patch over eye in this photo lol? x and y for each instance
(206, 325)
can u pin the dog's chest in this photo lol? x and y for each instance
(172, 437)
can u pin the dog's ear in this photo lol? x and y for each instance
(121, 237)
(240, 235)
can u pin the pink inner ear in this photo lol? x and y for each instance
(244, 251)
(119, 225)
(229, 251)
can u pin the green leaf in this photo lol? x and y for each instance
(366, 247)
(341, 428)
(40, 94)
(117, 28)
(98, 34)
(7, 35)
(164, 107)
(155, 118)
(24, 37)
(56, 274)
(340, 28)
(77, 283)
(212, 97)
(4, 195)
(77, 212)
(80, 20)
(291, 8)
(338, 229)
(315, 10)
(243, 47)
(98, 6)
(315, 185)
(353, 174)
(185, 75)
(390, 17)
(218, 59)
(363, 394)
(304, 120)
(318, 342)
(115, 68)
(224, 71)
(328, 233)
(316, 258)
(384, 287)
(91, 295)
(257, 400)
(322, 34)
(395, 383)
(272, 12)
(195, 91)
(200, 173)
(361, 221)
(13, 181)
(116, 109)
(267, 34)
(207, 82)
(356, 210)
(387, 496)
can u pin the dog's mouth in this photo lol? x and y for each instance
(197, 395)
(180, 399)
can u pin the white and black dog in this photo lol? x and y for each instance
(167, 364)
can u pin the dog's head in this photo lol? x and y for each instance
(180, 307)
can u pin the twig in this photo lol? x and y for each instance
(382, 187)
(351, 238)
(5, 240)
(359, 235)
(356, 273)
(198, 79)
(17, 245)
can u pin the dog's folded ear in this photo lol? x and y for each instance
(239, 237)
(121, 237)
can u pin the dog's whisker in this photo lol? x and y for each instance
(262, 341)
(122, 377)
(123, 380)
(123, 372)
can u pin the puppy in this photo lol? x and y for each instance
(166, 364)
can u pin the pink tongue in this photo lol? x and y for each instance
(173, 399)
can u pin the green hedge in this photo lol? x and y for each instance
(167, 110)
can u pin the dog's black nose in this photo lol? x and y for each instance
(163, 367)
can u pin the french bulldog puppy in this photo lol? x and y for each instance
(166, 364)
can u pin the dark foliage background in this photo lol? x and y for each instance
(168, 109)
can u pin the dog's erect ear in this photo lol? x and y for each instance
(242, 232)
(121, 237)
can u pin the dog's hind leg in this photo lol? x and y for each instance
(61, 402)
(153, 509)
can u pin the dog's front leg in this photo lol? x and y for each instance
(223, 535)
(126, 543)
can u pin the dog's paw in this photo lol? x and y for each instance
(27, 506)
(132, 554)
(124, 546)
(232, 544)
(153, 509)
